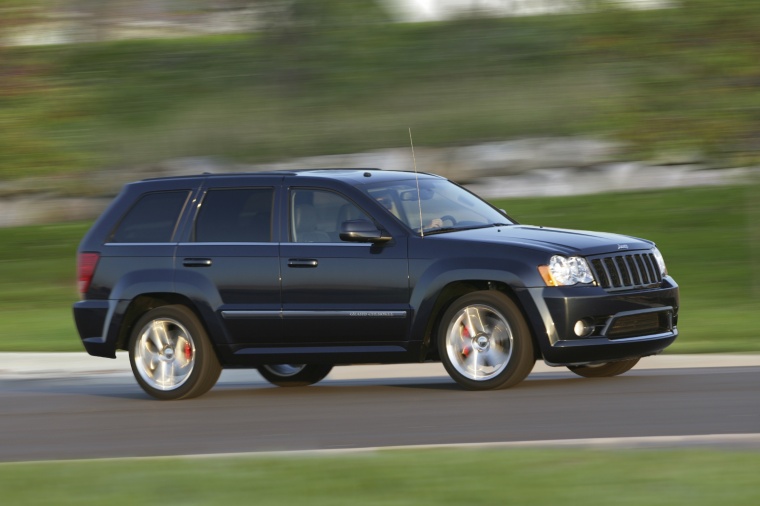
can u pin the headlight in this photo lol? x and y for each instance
(564, 271)
(660, 261)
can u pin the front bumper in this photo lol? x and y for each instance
(625, 325)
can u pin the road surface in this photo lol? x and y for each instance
(96, 414)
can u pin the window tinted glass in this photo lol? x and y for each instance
(235, 215)
(316, 215)
(152, 219)
(441, 203)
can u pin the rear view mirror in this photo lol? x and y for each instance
(361, 231)
(411, 195)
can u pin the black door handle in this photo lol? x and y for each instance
(197, 262)
(302, 262)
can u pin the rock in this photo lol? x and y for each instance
(515, 168)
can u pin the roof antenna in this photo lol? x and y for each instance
(417, 179)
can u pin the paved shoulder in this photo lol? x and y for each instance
(17, 365)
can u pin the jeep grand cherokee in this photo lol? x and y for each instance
(294, 272)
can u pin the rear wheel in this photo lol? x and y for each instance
(604, 370)
(171, 355)
(294, 375)
(484, 342)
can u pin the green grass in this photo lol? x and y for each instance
(38, 286)
(708, 235)
(666, 81)
(434, 477)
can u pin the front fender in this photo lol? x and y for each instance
(430, 278)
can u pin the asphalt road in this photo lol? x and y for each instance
(107, 415)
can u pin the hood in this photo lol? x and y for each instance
(553, 240)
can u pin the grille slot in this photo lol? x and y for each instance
(639, 324)
(626, 271)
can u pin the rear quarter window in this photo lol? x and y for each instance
(153, 218)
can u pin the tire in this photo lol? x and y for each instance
(484, 342)
(604, 370)
(294, 375)
(171, 355)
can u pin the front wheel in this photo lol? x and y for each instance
(171, 355)
(484, 341)
(604, 370)
(294, 375)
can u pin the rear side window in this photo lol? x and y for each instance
(235, 215)
(152, 219)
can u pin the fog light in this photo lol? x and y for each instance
(583, 328)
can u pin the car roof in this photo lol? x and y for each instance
(354, 176)
(363, 175)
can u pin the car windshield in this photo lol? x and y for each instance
(444, 206)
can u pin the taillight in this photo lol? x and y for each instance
(86, 263)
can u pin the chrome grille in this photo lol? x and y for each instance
(626, 271)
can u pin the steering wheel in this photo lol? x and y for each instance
(450, 218)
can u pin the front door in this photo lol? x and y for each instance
(334, 292)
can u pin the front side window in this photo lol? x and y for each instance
(316, 215)
(235, 215)
(152, 219)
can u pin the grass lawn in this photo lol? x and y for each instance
(707, 235)
(670, 81)
(435, 477)
(38, 286)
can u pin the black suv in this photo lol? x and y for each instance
(294, 272)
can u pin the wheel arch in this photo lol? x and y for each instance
(456, 289)
(148, 301)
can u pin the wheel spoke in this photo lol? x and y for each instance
(157, 334)
(164, 374)
(474, 322)
(471, 363)
(147, 355)
(153, 362)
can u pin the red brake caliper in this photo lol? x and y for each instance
(188, 351)
(465, 336)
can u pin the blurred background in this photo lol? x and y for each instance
(634, 116)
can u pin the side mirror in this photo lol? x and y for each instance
(361, 231)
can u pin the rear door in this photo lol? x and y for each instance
(229, 259)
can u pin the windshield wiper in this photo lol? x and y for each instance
(442, 230)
